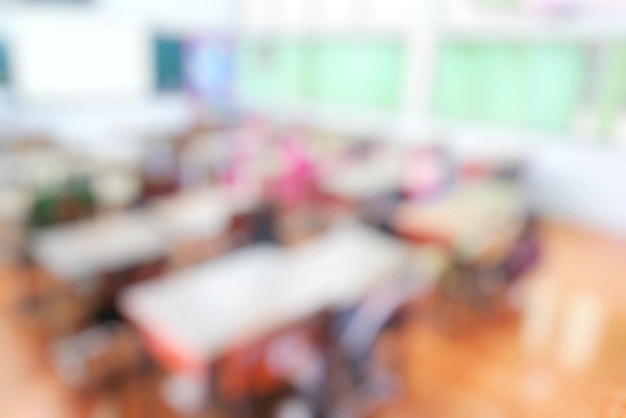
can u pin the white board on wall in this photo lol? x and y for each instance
(78, 58)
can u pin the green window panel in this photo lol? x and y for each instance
(536, 87)
(169, 64)
(457, 90)
(270, 71)
(501, 84)
(612, 98)
(361, 75)
(555, 81)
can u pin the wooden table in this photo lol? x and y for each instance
(193, 316)
(466, 218)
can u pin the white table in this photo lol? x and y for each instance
(82, 251)
(338, 268)
(467, 217)
(201, 312)
(202, 309)
(363, 180)
(195, 214)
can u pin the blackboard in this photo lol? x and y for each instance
(4, 65)
(168, 61)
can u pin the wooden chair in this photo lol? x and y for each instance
(98, 358)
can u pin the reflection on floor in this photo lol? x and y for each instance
(475, 369)
(27, 387)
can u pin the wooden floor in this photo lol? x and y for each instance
(480, 369)
(27, 387)
(477, 369)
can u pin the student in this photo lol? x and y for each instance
(428, 171)
(263, 223)
(296, 182)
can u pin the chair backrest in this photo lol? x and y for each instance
(525, 254)
(97, 357)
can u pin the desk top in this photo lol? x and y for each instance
(198, 213)
(204, 310)
(363, 180)
(85, 249)
(339, 267)
(465, 215)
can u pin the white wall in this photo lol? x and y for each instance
(580, 184)
(108, 97)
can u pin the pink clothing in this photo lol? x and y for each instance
(294, 184)
(425, 174)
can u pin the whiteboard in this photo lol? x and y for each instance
(78, 58)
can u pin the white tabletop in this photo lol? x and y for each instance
(199, 213)
(83, 250)
(468, 214)
(206, 307)
(338, 268)
(257, 290)
(364, 180)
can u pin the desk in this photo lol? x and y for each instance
(195, 223)
(83, 251)
(196, 313)
(338, 268)
(193, 316)
(363, 181)
(195, 214)
(466, 217)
